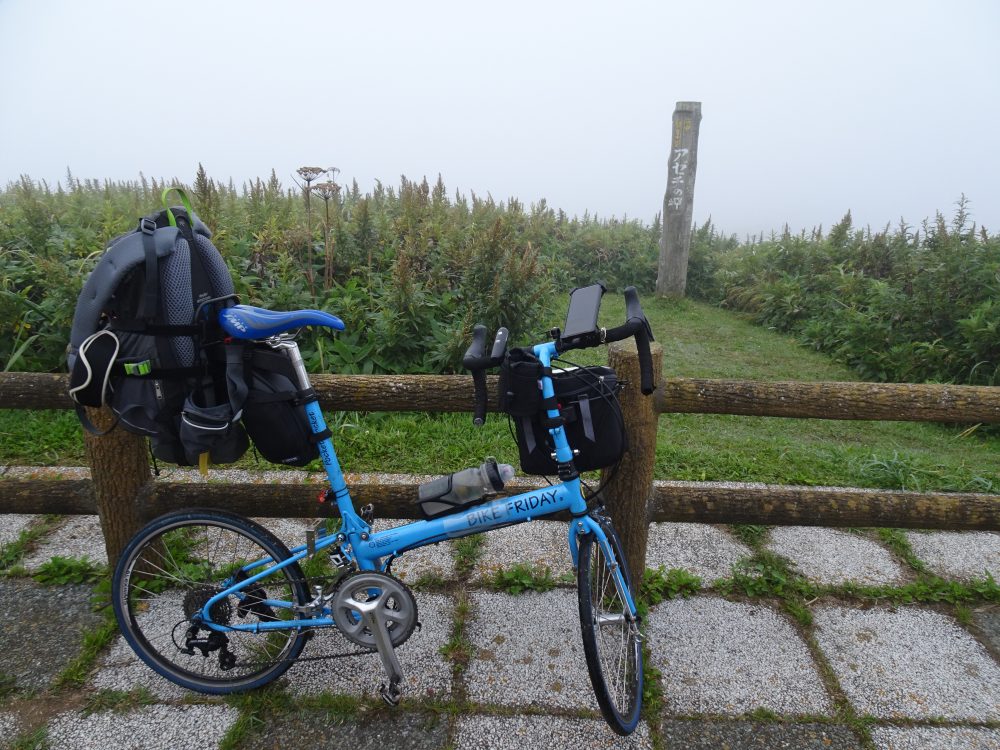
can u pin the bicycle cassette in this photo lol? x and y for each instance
(394, 605)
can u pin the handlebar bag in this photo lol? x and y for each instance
(274, 413)
(592, 416)
(519, 392)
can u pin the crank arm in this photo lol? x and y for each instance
(387, 653)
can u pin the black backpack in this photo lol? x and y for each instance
(146, 340)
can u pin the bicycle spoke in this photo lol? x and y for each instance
(179, 567)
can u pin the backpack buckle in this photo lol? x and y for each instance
(138, 368)
(147, 225)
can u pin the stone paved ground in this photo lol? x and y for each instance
(734, 671)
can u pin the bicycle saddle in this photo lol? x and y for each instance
(247, 322)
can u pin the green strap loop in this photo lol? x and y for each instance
(184, 201)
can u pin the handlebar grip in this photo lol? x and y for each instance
(645, 362)
(643, 335)
(476, 353)
(633, 308)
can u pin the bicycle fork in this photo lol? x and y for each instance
(587, 525)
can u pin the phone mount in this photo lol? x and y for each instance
(581, 319)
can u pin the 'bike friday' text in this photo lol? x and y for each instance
(514, 509)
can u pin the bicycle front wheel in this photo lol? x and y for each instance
(611, 640)
(170, 570)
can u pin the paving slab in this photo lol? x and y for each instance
(35, 651)
(426, 672)
(542, 544)
(833, 557)
(908, 663)
(178, 474)
(935, 738)
(544, 733)
(960, 555)
(527, 651)
(729, 658)
(986, 624)
(389, 729)
(8, 728)
(708, 552)
(291, 531)
(78, 537)
(749, 735)
(11, 526)
(121, 669)
(435, 560)
(149, 728)
(47, 472)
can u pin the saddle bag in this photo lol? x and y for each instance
(274, 413)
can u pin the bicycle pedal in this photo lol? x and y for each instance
(391, 694)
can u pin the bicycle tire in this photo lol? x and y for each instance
(172, 567)
(611, 642)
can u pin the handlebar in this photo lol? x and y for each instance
(478, 362)
(636, 325)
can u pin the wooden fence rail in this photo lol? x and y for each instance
(453, 393)
(122, 492)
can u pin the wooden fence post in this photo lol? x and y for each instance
(119, 469)
(630, 491)
(678, 201)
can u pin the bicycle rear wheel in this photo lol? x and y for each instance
(170, 570)
(611, 641)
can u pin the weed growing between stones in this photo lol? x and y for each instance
(522, 577)
(60, 571)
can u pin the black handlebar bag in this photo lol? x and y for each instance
(592, 415)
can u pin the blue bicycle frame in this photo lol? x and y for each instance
(373, 551)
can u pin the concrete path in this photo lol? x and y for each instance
(851, 667)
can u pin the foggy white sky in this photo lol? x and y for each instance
(886, 108)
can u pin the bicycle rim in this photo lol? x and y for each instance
(168, 573)
(611, 641)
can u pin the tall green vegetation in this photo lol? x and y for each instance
(410, 269)
(910, 305)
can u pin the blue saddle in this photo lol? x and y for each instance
(246, 322)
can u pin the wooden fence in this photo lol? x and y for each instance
(122, 493)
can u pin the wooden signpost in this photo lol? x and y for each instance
(678, 202)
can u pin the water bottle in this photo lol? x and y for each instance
(455, 491)
(471, 484)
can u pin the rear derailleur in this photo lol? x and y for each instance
(214, 642)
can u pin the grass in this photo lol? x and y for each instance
(698, 341)
(467, 552)
(36, 740)
(522, 577)
(459, 649)
(11, 553)
(118, 701)
(661, 585)
(59, 571)
(95, 641)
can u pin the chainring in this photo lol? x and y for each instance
(395, 607)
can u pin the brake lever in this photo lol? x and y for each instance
(499, 346)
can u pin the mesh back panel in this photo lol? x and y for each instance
(175, 290)
(219, 277)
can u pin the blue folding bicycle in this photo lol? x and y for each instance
(216, 603)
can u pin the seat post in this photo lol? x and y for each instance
(291, 349)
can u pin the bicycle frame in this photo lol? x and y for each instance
(372, 551)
